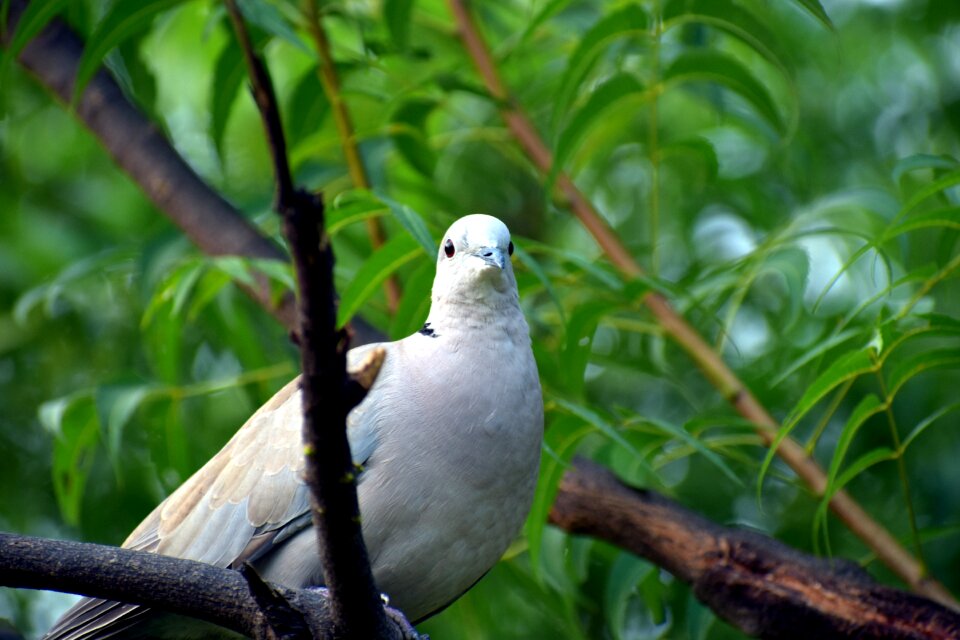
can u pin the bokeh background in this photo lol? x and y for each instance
(784, 171)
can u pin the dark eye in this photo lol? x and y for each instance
(448, 248)
(510, 248)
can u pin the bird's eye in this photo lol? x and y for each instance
(510, 248)
(448, 248)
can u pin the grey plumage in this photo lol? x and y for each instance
(448, 437)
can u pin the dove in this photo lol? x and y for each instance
(448, 442)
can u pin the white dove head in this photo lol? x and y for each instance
(473, 263)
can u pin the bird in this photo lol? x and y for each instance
(447, 439)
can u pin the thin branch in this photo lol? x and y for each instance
(351, 152)
(758, 584)
(141, 150)
(887, 548)
(186, 587)
(328, 393)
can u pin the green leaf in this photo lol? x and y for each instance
(731, 18)
(922, 426)
(814, 352)
(815, 9)
(396, 13)
(408, 131)
(621, 585)
(629, 20)
(228, 77)
(267, 16)
(415, 303)
(564, 433)
(921, 161)
(414, 224)
(938, 186)
(36, 15)
(74, 422)
(115, 406)
(683, 435)
(916, 363)
(306, 108)
(943, 218)
(123, 20)
(612, 91)
(593, 418)
(846, 367)
(712, 66)
(395, 253)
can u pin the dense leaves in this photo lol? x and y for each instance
(786, 172)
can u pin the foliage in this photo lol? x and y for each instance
(785, 171)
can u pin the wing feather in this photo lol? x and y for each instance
(236, 508)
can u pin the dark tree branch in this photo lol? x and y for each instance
(758, 584)
(328, 393)
(186, 587)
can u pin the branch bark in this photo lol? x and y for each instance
(880, 541)
(186, 587)
(328, 392)
(758, 584)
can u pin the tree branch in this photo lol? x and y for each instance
(186, 587)
(887, 548)
(328, 394)
(758, 584)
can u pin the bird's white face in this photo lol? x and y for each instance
(474, 253)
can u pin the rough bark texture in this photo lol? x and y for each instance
(756, 583)
(186, 587)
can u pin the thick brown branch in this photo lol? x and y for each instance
(887, 548)
(185, 587)
(756, 583)
(141, 150)
(354, 600)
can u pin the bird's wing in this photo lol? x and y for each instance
(248, 498)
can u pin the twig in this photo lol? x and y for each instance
(355, 603)
(887, 548)
(351, 153)
(756, 583)
(144, 153)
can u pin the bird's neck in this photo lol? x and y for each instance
(467, 313)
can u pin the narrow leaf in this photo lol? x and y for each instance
(124, 19)
(712, 66)
(397, 251)
(603, 98)
(396, 13)
(630, 20)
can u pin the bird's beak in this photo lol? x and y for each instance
(494, 256)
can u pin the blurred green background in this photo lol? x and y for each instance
(785, 171)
